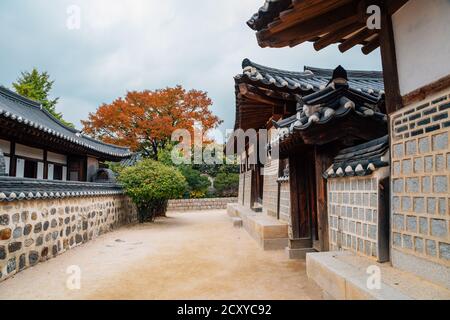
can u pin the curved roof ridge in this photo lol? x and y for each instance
(351, 73)
(35, 104)
(248, 63)
(309, 71)
(102, 142)
(19, 98)
(32, 113)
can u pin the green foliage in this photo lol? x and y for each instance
(227, 184)
(150, 185)
(197, 184)
(116, 167)
(37, 86)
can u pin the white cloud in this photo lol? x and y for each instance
(137, 44)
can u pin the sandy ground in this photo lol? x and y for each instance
(194, 255)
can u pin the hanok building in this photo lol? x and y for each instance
(36, 145)
(415, 229)
(311, 116)
(55, 192)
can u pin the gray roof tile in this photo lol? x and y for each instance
(28, 112)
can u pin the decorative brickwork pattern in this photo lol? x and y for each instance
(37, 230)
(270, 190)
(248, 188)
(285, 201)
(421, 180)
(199, 204)
(241, 188)
(353, 214)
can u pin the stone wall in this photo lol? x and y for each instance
(420, 188)
(285, 201)
(355, 215)
(248, 188)
(200, 204)
(32, 231)
(270, 189)
(241, 188)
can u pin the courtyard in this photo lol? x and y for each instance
(188, 255)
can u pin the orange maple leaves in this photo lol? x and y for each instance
(145, 120)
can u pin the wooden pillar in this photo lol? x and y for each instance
(300, 209)
(389, 62)
(294, 196)
(323, 161)
(13, 160)
(45, 165)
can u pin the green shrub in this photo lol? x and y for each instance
(197, 184)
(227, 184)
(150, 185)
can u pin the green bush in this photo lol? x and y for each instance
(227, 184)
(150, 185)
(197, 184)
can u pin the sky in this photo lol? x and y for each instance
(120, 46)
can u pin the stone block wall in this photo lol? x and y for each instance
(355, 215)
(241, 188)
(270, 189)
(420, 188)
(200, 204)
(285, 201)
(32, 231)
(248, 188)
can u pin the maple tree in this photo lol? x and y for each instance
(145, 120)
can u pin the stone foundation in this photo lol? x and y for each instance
(200, 204)
(32, 231)
(270, 233)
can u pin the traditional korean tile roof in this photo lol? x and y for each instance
(309, 80)
(270, 10)
(360, 160)
(31, 114)
(132, 160)
(14, 189)
(337, 100)
(282, 23)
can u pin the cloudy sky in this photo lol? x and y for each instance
(144, 44)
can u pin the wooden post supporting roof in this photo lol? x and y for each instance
(389, 61)
(323, 161)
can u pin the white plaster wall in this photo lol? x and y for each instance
(56, 158)
(29, 152)
(5, 146)
(422, 40)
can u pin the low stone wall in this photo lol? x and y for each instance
(32, 231)
(200, 204)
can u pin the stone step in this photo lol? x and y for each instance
(346, 276)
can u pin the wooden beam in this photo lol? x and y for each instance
(423, 92)
(304, 10)
(389, 62)
(356, 39)
(371, 45)
(312, 28)
(337, 36)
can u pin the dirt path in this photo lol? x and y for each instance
(194, 255)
